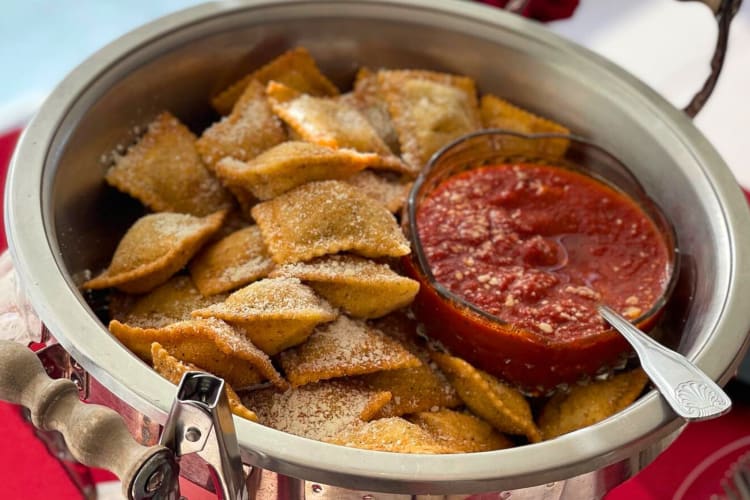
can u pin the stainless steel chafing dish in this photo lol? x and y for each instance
(62, 221)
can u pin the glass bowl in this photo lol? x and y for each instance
(536, 363)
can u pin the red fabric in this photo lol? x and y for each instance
(693, 466)
(542, 10)
(7, 143)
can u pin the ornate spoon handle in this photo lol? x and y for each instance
(689, 391)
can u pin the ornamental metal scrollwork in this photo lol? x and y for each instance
(698, 399)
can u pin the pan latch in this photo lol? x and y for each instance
(200, 422)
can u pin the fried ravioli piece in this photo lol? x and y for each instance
(588, 404)
(367, 99)
(414, 390)
(499, 113)
(361, 287)
(274, 313)
(234, 261)
(163, 171)
(291, 164)
(250, 129)
(316, 411)
(168, 303)
(295, 68)
(327, 217)
(501, 405)
(173, 369)
(461, 432)
(209, 343)
(392, 434)
(331, 123)
(154, 248)
(428, 110)
(344, 348)
(389, 190)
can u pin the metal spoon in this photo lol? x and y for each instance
(689, 391)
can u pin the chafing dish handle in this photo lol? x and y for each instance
(724, 11)
(96, 435)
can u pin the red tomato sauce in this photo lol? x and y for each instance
(539, 247)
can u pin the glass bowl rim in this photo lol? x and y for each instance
(664, 224)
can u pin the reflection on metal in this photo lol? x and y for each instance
(200, 422)
(59, 364)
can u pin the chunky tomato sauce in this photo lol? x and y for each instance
(541, 246)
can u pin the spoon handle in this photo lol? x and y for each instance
(689, 391)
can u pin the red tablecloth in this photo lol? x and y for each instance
(690, 469)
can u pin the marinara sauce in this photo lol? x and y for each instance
(539, 247)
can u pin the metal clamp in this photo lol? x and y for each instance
(200, 422)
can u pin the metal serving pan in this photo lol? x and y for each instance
(63, 222)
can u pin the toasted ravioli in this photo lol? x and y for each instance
(588, 404)
(461, 432)
(295, 68)
(344, 348)
(414, 390)
(390, 434)
(499, 113)
(208, 343)
(232, 262)
(291, 164)
(389, 190)
(327, 217)
(173, 369)
(168, 303)
(501, 405)
(367, 99)
(428, 110)
(330, 122)
(250, 129)
(164, 172)
(154, 248)
(274, 313)
(316, 411)
(360, 287)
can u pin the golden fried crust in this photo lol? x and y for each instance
(316, 411)
(588, 404)
(502, 406)
(392, 434)
(367, 99)
(163, 171)
(360, 287)
(461, 432)
(274, 313)
(327, 217)
(499, 113)
(414, 390)
(168, 303)
(325, 121)
(154, 248)
(389, 190)
(250, 129)
(291, 164)
(428, 110)
(295, 68)
(173, 369)
(210, 344)
(344, 348)
(232, 262)
(330, 122)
